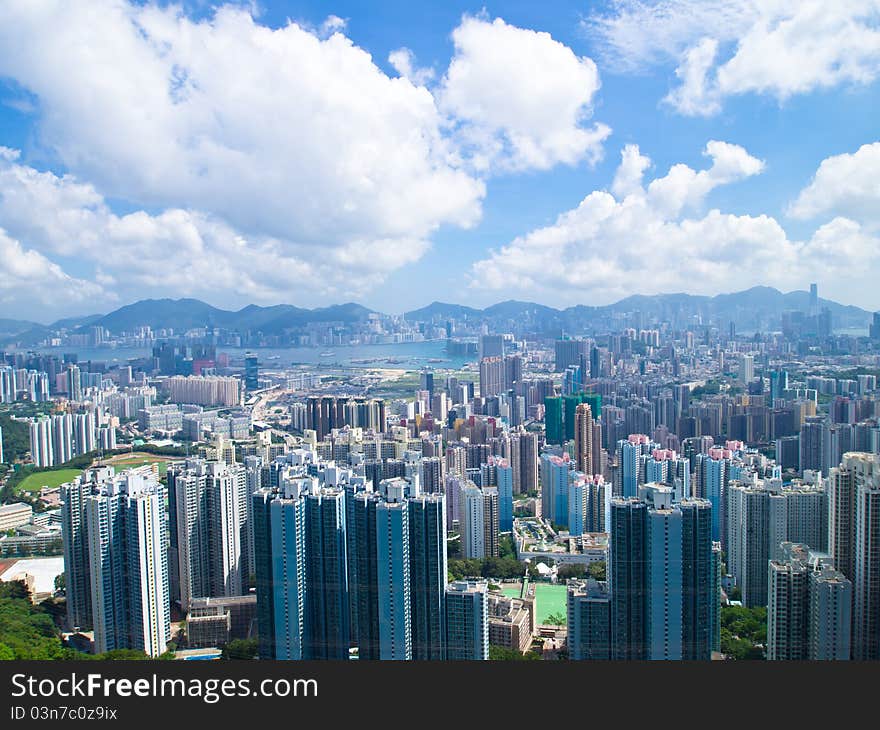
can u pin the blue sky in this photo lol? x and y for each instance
(255, 153)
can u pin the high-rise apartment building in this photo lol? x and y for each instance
(854, 538)
(809, 607)
(126, 532)
(589, 620)
(662, 584)
(762, 515)
(583, 439)
(467, 621)
(428, 575)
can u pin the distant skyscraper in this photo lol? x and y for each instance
(504, 474)
(553, 420)
(491, 376)
(467, 621)
(583, 439)
(491, 346)
(569, 352)
(251, 372)
(746, 368)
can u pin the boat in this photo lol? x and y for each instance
(327, 354)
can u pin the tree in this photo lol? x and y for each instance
(240, 649)
(505, 654)
(570, 570)
(556, 619)
(597, 570)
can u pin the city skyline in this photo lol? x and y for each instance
(573, 154)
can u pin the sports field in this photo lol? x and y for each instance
(139, 458)
(550, 598)
(50, 479)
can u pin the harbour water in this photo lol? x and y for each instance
(401, 356)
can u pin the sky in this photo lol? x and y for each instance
(395, 153)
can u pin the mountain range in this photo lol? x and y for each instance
(759, 308)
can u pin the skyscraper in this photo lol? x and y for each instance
(467, 621)
(393, 572)
(762, 515)
(326, 565)
(809, 607)
(261, 503)
(855, 544)
(251, 372)
(504, 476)
(583, 439)
(491, 376)
(662, 582)
(428, 575)
(589, 620)
(208, 519)
(287, 586)
(125, 521)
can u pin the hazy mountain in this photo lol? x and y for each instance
(759, 308)
(182, 314)
(15, 326)
(437, 311)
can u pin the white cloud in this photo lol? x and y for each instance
(654, 239)
(176, 252)
(28, 280)
(404, 62)
(521, 99)
(282, 164)
(333, 24)
(847, 184)
(696, 96)
(772, 47)
(276, 132)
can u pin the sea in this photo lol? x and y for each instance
(400, 356)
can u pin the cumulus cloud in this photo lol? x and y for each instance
(404, 62)
(655, 238)
(281, 163)
(175, 252)
(847, 184)
(278, 132)
(722, 49)
(521, 99)
(27, 275)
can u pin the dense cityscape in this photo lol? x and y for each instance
(668, 481)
